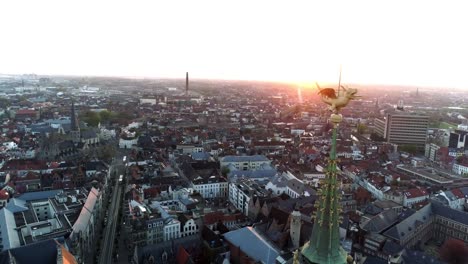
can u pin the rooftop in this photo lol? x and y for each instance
(254, 158)
(253, 245)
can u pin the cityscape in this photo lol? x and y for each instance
(247, 132)
(115, 170)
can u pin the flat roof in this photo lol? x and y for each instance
(429, 174)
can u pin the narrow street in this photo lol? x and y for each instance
(106, 256)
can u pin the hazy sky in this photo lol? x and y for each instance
(392, 42)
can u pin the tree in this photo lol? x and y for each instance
(91, 118)
(412, 149)
(105, 116)
(361, 129)
(454, 251)
(107, 152)
(4, 103)
(225, 171)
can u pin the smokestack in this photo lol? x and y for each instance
(186, 83)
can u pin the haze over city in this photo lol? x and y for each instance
(216, 132)
(399, 42)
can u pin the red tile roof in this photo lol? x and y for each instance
(415, 192)
(182, 256)
(213, 218)
(3, 195)
(26, 112)
(458, 193)
(24, 165)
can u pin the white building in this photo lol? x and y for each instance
(150, 101)
(454, 201)
(212, 187)
(10, 145)
(133, 125)
(413, 196)
(460, 169)
(106, 134)
(127, 143)
(189, 148)
(245, 162)
(431, 151)
(277, 185)
(376, 191)
(239, 196)
(189, 228)
(171, 229)
(241, 191)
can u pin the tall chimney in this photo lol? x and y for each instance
(186, 83)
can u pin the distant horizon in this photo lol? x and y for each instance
(195, 78)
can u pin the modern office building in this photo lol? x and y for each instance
(458, 139)
(403, 128)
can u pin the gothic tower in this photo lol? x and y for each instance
(295, 228)
(324, 244)
(74, 126)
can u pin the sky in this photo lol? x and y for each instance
(387, 42)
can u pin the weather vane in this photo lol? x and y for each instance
(337, 99)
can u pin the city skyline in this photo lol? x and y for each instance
(417, 43)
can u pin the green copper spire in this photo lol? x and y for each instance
(324, 244)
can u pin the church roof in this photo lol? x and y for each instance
(253, 245)
(88, 134)
(84, 218)
(401, 230)
(41, 252)
(381, 221)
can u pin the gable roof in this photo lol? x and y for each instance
(9, 235)
(415, 192)
(417, 257)
(458, 193)
(86, 213)
(41, 252)
(31, 196)
(253, 244)
(381, 221)
(447, 212)
(182, 256)
(401, 230)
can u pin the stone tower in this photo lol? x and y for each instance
(74, 126)
(295, 228)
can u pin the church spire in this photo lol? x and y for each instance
(324, 244)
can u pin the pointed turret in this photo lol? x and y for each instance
(324, 244)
